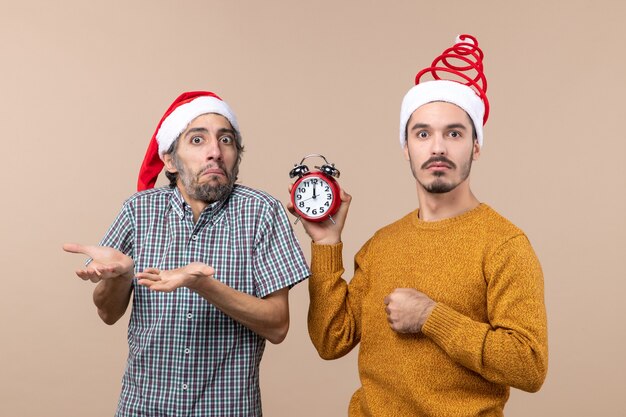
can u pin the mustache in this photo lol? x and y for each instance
(217, 164)
(440, 159)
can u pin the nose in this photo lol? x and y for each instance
(438, 145)
(213, 150)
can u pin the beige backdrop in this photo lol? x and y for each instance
(83, 84)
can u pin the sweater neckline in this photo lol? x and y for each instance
(439, 224)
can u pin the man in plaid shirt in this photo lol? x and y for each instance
(208, 264)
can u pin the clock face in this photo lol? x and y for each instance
(313, 197)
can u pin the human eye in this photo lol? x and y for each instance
(196, 140)
(226, 139)
(455, 134)
(422, 134)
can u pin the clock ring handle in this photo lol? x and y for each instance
(312, 156)
(328, 168)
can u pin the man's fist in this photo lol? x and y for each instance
(408, 309)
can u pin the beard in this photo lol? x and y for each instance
(206, 192)
(439, 185)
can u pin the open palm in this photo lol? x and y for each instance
(108, 263)
(168, 281)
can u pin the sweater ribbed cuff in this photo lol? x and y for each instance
(326, 258)
(442, 323)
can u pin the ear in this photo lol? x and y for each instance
(475, 151)
(169, 163)
(406, 152)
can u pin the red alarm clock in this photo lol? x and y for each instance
(315, 195)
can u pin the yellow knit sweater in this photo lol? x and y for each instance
(487, 332)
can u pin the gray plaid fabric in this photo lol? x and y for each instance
(186, 358)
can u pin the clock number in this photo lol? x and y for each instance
(327, 188)
(302, 190)
(301, 204)
(329, 196)
(298, 196)
(327, 204)
(322, 210)
(314, 211)
(308, 209)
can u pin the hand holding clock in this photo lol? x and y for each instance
(326, 233)
(322, 214)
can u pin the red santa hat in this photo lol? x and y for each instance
(466, 85)
(181, 112)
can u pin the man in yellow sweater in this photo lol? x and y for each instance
(447, 303)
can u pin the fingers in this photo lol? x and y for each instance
(150, 279)
(148, 276)
(96, 272)
(387, 300)
(146, 282)
(92, 275)
(159, 286)
(342, 213)
(88, 250)
(407, 309)
(208, 271)
(345, 197)
(75, 248)
(289, 203)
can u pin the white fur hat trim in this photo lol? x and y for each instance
(447, 91)
(180, 118)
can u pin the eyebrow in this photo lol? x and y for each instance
(456, 126)
(204, 130)
(225, 130)
(196, 130)
(450, 126)
(419, 126)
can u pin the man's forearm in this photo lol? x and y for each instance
(514, 357)
(268, 317)
(334, 318)
(111, 297)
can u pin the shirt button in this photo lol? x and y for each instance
(187, 351)
(189, 315)
(185, 387)
(194, 237)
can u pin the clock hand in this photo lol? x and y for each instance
(314, 196)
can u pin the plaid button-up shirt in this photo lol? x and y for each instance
(187, 358)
